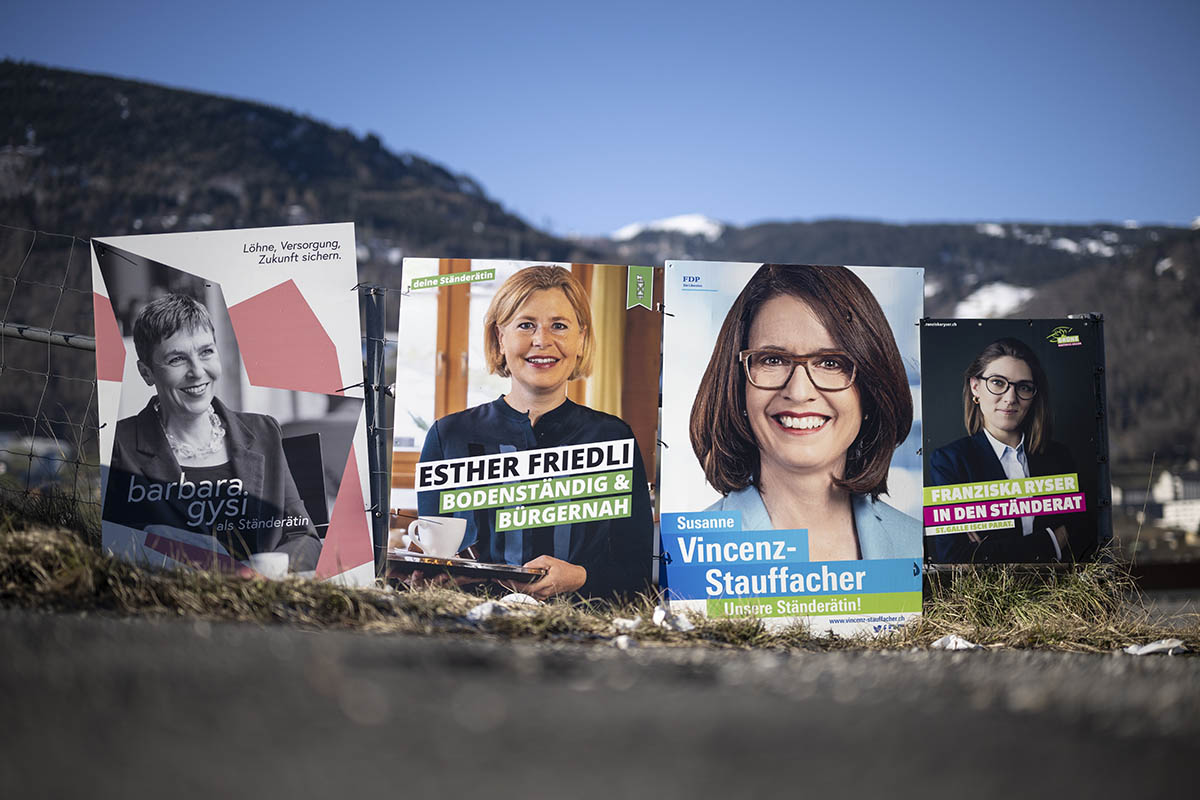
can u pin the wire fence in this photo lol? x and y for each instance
(49, 426)
(48, 422)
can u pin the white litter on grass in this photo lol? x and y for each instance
(520, 599)
(672, 622)
(515, 603)
(1168, 646)
(624, 642)
(952, 641)
(487, 610)
(623, 624)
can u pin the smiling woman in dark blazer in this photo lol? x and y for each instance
(1006, 411)
(188, 462)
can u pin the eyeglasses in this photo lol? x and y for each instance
(998, 384)
(829, 370)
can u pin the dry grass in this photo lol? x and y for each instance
(1092, 609)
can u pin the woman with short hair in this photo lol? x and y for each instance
(189, 462)
(804, 400)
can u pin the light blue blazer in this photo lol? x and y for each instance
(883, 532)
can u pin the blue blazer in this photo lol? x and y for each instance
(883, 532)
(972, 459)
(255, 446)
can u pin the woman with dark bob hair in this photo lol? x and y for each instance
(1006, 411)
(803, 402)
(538, 333)
(188, 462)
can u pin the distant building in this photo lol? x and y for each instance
(1173, 500)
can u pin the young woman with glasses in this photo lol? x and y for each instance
(1006, 411)
(804, 400)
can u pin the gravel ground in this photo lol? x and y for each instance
(104, 707)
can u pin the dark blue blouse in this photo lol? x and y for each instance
(616, 553)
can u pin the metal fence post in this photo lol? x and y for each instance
(378, 447)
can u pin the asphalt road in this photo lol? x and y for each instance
(100, 707)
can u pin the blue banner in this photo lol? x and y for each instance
(706, 581)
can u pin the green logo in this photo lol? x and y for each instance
(639, 287)
(1063, 337)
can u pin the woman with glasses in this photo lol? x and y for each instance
(1006, 411)
(803, 402)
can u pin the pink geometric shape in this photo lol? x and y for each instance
(348, 540)
(283, 344)
(110, 347)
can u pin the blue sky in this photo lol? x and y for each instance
(582, 117)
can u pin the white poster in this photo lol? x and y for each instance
(229, 368)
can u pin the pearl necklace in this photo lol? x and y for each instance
(185, 450)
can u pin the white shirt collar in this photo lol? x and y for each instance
(998, 447)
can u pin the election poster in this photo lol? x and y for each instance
(1015, 442)
(791, 467)
(526, 417)
(229, 375)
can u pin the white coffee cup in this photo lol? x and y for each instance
(270, 565)
(440, 537)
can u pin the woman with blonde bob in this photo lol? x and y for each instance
(538, 333)
(804, 400)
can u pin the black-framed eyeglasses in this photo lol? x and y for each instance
(998, 384)
(829, 370)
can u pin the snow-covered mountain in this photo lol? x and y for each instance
(687, 224)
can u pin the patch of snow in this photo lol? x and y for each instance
(1196, 224)
(932, 287)
(1110, 237)
(1163, 265)
(395, 255)
(1031, 238)
(687, 224)
(1065, 244)
(994, 300)
(362, 252)
(990, 229)
(1131, 224)
(1098, 248)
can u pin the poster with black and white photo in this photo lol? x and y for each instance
(232, 426)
